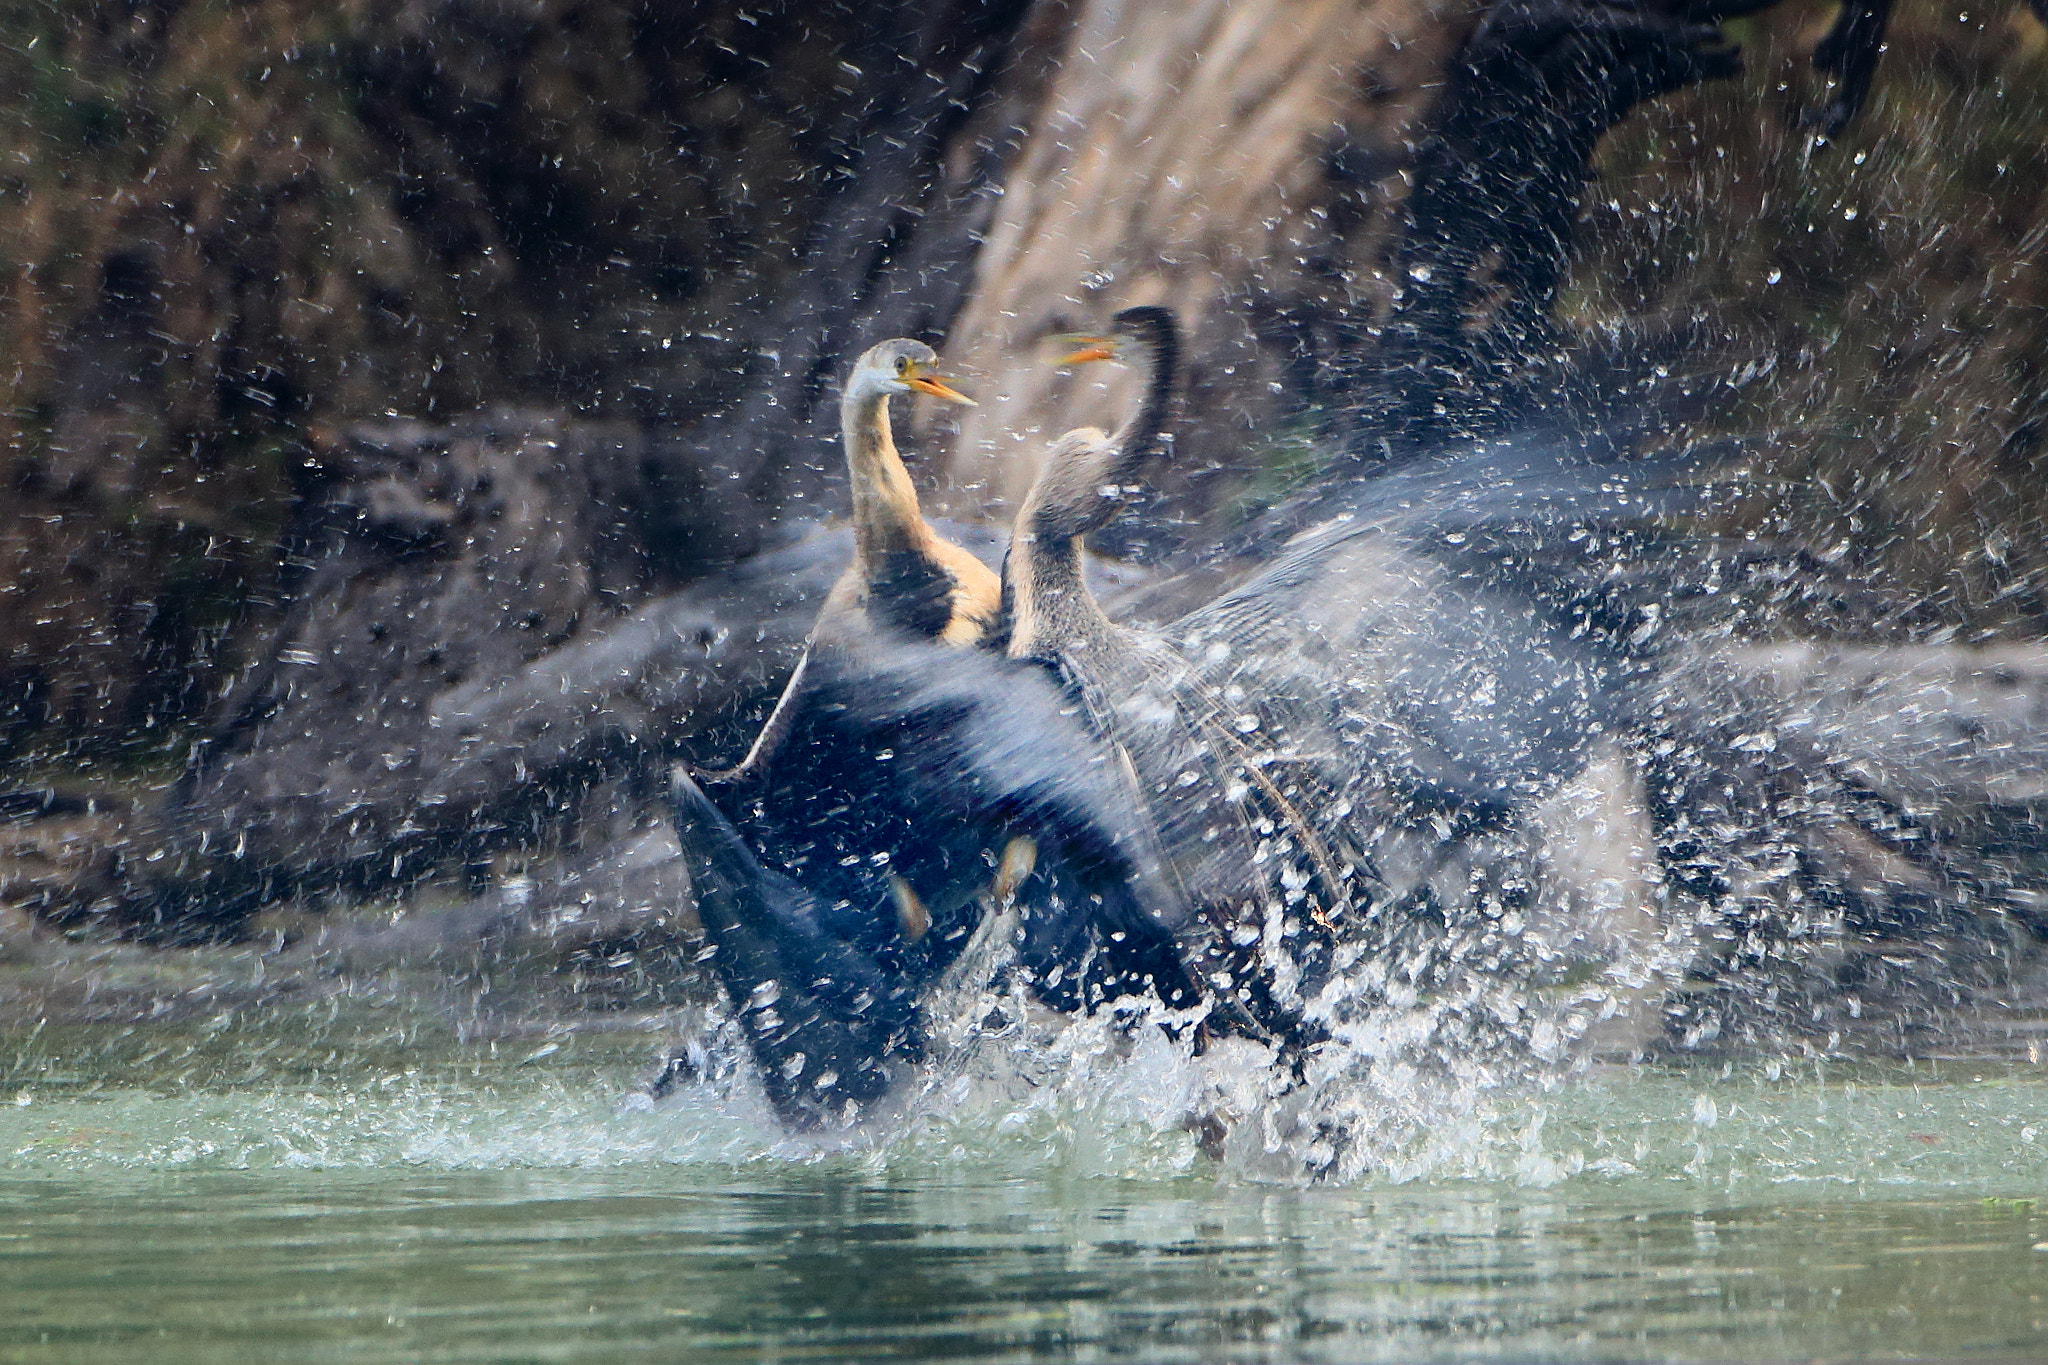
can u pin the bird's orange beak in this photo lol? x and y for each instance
(1084, 349)
(938, 388)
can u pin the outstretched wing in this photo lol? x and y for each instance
(822, 1019)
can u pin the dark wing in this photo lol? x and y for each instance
(939, 757)
(822, 1019)
(903, 771)
(1467, 608)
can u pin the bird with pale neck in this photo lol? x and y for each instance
(903, 578)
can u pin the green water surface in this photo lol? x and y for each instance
(227, 1193)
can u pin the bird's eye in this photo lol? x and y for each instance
(903, 364)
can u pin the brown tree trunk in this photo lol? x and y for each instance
(1231, 160)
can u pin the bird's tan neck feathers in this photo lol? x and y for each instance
(886, 514)
(889, 526)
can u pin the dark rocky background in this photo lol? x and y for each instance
(418, 416)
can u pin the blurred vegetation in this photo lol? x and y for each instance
(1885, 297)
(228, 227)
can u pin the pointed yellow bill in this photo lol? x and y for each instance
(938, 388)
(1079, 350)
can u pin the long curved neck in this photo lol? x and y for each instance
(1048, 603)
(1049, 607)
(1080, 488)
(886, 515)
(1158, 363)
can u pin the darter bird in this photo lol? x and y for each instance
(904, 579)
(1356, 763)
(905, 583)
(844, 830)
(1324, 800)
